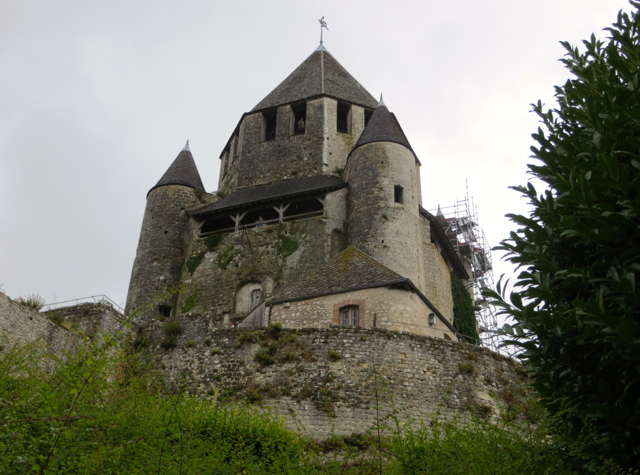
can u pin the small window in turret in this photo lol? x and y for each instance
(343, 117)
(164, 311)
(397, 193)
(269, 120)
(298, 118)
(367, 116)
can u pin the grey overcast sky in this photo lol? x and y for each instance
(98, 97)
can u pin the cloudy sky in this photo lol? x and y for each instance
(98, 97)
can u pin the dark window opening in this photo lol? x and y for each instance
(367, 116)
(260, 217)
(343, 117)
(312, 206)
(299, 118)
(269, 121)
(350, 316)
(217, 224)
(164, 310)
(397, 193)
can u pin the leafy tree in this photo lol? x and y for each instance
(576, 303)
(464, 315)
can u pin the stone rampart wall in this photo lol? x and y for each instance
(331, 380)
(23, 325)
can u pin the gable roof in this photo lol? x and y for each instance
(270, 192)
(352, 269)
(319, 74)
(383, 127)
(183, 171)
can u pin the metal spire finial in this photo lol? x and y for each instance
(323, 24)
(186, 147)
(381, 103)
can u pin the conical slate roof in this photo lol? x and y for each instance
(183, 171)
(319, 74)
(383, 127)
(352, 269)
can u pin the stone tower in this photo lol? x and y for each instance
(164, 237)
(383, 174)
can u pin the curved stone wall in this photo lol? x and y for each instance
(332, 380)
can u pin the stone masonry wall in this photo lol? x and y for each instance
(386, 308)
(23, 325)
(92, 320)
(325, 380)
(272, 256)
(436, 274)
(378, 226)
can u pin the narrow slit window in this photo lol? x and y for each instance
(269, 122)
(299, 118)
(342, 124)
(397, 193)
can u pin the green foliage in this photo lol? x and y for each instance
(225, 257)
(190, 343)
(194, 261)
(33, 301)
(287, 245)
(464, 315)
(190, 302)
(467, 368)
(576, 304)
(172, 328)
(101, 414)
(333, 355)
(55, 317)
(222, 194)
(212, 241)
(339, 171)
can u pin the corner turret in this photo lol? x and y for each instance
(163, 238)
(384, 197)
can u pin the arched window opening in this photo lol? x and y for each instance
(217, 225)
(350, 316)
(312, 207)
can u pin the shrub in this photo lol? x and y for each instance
(194, 261)
(33, 301)
(55, 318)
(333, 355)
(172, 328)
(467, 368)
(191, 343)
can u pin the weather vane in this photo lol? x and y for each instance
(323, 24)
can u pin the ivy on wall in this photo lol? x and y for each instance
(464, 316)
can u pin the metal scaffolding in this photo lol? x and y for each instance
(461, 225)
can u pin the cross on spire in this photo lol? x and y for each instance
(323, 24)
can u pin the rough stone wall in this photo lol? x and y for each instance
(338, 145)
(272, 256)
(383, 229)
(325, 380)
(287, 156)
(166, 230)
(23, 325)
(386, 308)
(92, 320)
(436, 274)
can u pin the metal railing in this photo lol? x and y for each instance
(101, 299)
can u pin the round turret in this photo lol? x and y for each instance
(163, 239)
(384, 197)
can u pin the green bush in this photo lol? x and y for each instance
(172, 328)
(194, 261)
(33, 301)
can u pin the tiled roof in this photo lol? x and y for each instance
(383, 127)
(183, 171)
(271, 192)
(308, 81)
(350, 270)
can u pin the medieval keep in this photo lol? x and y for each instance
(317, 221)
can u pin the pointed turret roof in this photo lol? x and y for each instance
(319, 74)
(183, 171)
(383, 127)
